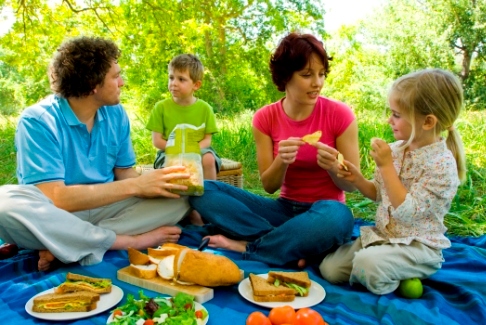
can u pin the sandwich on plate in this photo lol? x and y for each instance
(297, 281)
(267, 292)
(81, 301)
(77, 282)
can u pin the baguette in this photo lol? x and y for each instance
(82, 301)
(206, 269)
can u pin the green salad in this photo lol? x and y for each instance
(178, 310)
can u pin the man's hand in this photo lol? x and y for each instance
(157, 182)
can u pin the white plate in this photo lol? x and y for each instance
(107, 301)
(197, 306)
(316, 295)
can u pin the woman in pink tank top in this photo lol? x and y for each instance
(309, 219)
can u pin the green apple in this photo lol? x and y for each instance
(411, 288)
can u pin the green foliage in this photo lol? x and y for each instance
(7, 151)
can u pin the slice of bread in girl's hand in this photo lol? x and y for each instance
(340, 159)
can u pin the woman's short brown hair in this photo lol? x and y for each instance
(292, 54)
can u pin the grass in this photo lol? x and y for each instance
(467, 216)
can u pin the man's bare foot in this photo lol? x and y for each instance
(220, 241)
(301, 263)
(195, 218)
(156, 237)
(46, 259)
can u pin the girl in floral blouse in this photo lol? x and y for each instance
(415, 180)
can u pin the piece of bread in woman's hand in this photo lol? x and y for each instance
(206, 269)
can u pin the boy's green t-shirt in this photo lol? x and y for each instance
(167, 114)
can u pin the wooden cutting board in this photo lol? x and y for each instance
(157, 284)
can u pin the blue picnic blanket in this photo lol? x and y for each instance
(454, 295)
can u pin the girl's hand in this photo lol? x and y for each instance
(381, 153)
(351, 175)
(327, 157)
(287, 149)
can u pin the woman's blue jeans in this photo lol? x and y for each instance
(277, 231)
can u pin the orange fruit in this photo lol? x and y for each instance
(257, 318)
(307, 316)
(282, 315)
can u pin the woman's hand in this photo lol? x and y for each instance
(327, 157)
(287, 149)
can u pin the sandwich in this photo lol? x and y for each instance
(81, 301)
(297, 281)
(77, 282)
(267, 292)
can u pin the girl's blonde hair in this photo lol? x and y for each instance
(433, 92)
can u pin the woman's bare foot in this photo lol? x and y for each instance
(156, 237)
(301, 263)
(195, 218)
(220, 241)
(46, 259)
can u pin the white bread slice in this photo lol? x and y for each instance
(154, 260)
(165, 268)
(144, 271)
(136, 257)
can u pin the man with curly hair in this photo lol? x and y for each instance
(78, 194)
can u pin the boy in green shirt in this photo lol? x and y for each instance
(185, 77)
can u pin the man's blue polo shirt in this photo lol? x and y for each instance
(53, 145)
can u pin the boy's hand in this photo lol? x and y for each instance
(287, 149)
(157, 183)
(381, 153)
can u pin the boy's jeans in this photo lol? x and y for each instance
(278, 231)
